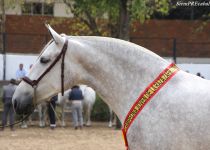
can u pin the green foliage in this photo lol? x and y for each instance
(12, 3)
(100, 110)
(81, 7)
(141, 10)
(90, 13)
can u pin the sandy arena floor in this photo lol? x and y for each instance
(97, 137)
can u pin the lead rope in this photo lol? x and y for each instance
(24, 117)
(10, 125)
(56, 114)
(34, 99)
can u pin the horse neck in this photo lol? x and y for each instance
(119, 71)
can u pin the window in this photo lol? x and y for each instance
(37, 9)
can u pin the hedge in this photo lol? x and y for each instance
(100, 110)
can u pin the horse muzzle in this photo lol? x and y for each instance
(23, 104)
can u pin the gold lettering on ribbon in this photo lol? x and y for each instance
(148, 94)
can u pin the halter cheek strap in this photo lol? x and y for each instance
(34, 83)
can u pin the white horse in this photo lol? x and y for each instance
(177, 117)
(112, 118)
(89, 100)
(42, 112)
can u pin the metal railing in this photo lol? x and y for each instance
(164, 46)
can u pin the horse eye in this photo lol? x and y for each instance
(44, 60)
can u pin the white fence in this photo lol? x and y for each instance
(204, 69)
(13, 61)
(12, 64)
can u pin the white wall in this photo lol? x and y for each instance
(62, 10)
(13, 61)
(193, 65)
(15, 10)
(12, 64)
(204, 69)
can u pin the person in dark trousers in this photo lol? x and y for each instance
(8, 92)
(76, 97)
(51, 111)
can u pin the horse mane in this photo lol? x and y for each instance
(117, 44)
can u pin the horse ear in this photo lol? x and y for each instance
(56, 37)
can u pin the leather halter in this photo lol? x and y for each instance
(34, 83)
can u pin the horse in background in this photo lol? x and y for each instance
(88, 102)
(65, 105)
(112, 118)
(42, 112)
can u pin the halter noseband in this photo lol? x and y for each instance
(34, 83)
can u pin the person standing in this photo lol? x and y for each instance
(8, 92)
(51, 111)
(76, 97)
(20, 73)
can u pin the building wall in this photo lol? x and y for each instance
(27, 34)
(190, 40)
(16, 10)
(60, 9)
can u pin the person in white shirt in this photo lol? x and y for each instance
(20, 73)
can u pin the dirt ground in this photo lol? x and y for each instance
(97, 137)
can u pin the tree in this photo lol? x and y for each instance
(2, 24)
(189, 12)
(3, 6)
(118, 14)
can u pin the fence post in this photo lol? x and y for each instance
(4, 55)
(46, 38)
(174, 50)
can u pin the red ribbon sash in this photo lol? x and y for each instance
(147, 95)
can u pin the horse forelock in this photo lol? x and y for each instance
(44, 48)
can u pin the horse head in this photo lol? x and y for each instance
(44, 79)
